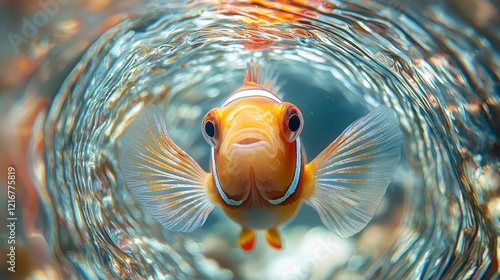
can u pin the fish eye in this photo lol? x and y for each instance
(294, 123)
(210, 128)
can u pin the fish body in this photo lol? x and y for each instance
(258, 173)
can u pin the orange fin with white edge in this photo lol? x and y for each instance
(247, 239)
(353, 172)
(267, 78)
(273, 238)
(165, 179)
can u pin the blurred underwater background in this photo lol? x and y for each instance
(75, 74)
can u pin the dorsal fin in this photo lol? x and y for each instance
(264, 77)
(253, 73)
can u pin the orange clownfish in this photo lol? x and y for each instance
(258, 174)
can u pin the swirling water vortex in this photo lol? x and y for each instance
(437, 71)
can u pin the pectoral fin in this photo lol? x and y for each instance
(353, 172)
(164, 178)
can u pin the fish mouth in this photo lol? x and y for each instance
(249, 143)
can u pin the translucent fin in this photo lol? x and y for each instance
(273, 238)
(353, 172)
(267, 78)
(164, 178)
(247, 239)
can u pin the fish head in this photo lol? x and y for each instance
(254, 146)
